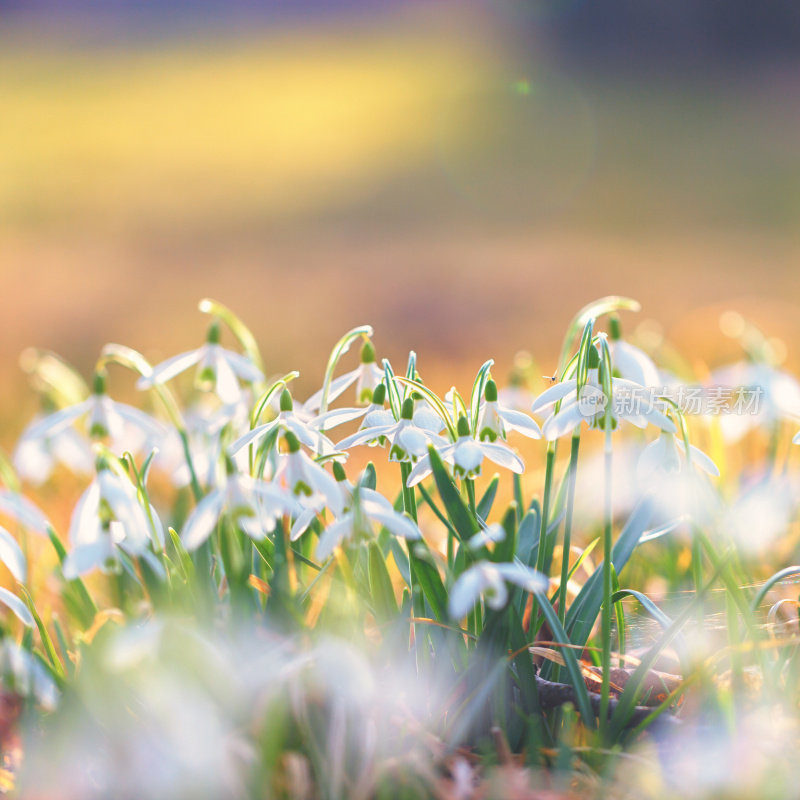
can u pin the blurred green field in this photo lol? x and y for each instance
(454, 189)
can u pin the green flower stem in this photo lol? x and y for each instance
(606, 608)
(542, 556)
(571, 480)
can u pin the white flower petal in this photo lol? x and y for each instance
(366, 435)
(336, 388)
(305, 518)
(526, 578)
(17, 606)
(259, 432)
(467, 454)
(398, 524)
(556, 425)
(338, 417)
(552, 395)
(87, 557)
(202, 520)
(84, 527)
(242, 366)
(517, 421)
(168, 369)
(420, 471)
(11, 555)
(52, 424)
(333, 535)
(504, 456)
(226, 384)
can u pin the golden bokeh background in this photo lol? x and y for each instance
(442, 173)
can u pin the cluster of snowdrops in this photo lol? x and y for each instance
(270, 516)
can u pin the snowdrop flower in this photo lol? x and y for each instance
(589, 407)
(678, 490)
(35, 457)
(667, 455)
(375, 414)
(109, 515)
(495, 419)
(126, 427)
(364, 511)
(630, 362)
(366, 376)
(218, 368)
(796, 438)
(307, 480)
(287, 419)
(489, 579)
(762, 514)
(466, 455)
(409, 436)
(254, 505)
(774, 395)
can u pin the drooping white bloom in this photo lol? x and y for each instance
(366, 376)
(766, 396)
(254, 505)
(590, 406)
(488, 579)
(287, 419)
(466, 455)
(409, 436)
(35, 457)
(127, 428)
(362, 514)
(496, 419)
(667, 455)
(307, 480)
(108, 515)
(217, 368)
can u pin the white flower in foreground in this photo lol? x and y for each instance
(495, 419)
(796, 438)
(366, 376)
(109, 515)
(307, 480)
(218, 369)
(409, 436)
(364, 512)
(287, 419)
(591, 405)
(488, 579)
(466, 455)
(254, 505)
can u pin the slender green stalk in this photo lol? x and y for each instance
(607, 589)
(571, 479)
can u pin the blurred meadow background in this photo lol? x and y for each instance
(462, 176)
